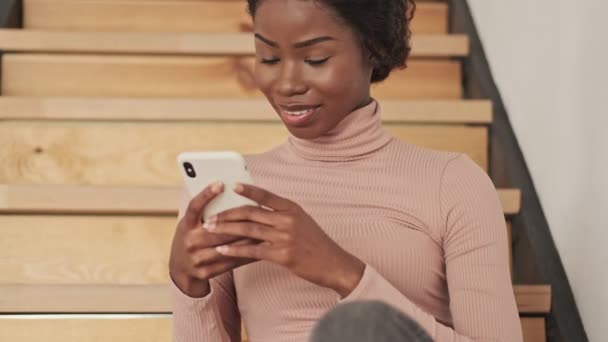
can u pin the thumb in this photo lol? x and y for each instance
(197, 204)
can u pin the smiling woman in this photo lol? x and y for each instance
(317, 58)
(347, 212)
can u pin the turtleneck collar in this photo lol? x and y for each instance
(357, 136)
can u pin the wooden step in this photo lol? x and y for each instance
(79, 249)
(160, 16)
(85, 328)
(47, 238)
(131, 328)
(107, 200)
(155, 109)
(199, 77)
(184, 43)
(531, 299)
(534, 329)
(144, 153)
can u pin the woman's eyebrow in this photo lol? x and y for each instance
(298, 45)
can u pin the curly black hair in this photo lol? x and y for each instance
(383, 27)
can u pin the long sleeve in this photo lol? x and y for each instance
(482, 302)
(211, 318)
(214, 318)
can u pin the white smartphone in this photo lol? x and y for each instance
(199, 169)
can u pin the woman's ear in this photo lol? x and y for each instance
(371, 62)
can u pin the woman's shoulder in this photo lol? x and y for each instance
(263, 161)
(443, 168)
(420, 160)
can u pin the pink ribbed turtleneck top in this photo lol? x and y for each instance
(428, 225)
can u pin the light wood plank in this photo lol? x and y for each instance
(66, 199)
(208, 77)
(155, 298)
(511, 199)
(453, 45)
(534, 299)
(424, 79)
(78, 250)
(71, 298)
(127, 153)
(184, 43)
(65, 328)
(131, 43)
(430, 17)
(132, 328)
(50, 108)
(159, 16)
(137, 16)
(534, 329)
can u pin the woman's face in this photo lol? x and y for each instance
(309, 65)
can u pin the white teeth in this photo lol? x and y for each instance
(299, 113)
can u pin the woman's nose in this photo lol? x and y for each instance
(290, 82)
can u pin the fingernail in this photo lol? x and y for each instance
(221, 249)
(210, 223)
(238, 187)
(216, 187)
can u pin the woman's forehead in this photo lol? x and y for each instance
(291, 21)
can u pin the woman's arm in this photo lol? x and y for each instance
(482, 302)
(214, 317)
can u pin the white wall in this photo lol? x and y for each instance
(550, 61)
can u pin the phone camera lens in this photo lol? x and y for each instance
(189, 170)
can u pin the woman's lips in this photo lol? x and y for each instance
(297, 114)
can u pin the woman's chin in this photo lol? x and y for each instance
(307, 133)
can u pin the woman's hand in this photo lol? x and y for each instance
(194, 259)
(290, 237)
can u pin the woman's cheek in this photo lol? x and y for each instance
(338, 80)
(263, 78)
(330, 80)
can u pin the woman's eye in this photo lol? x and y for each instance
(316, 62)
(269, 60)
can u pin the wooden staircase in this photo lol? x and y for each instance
(98, 98)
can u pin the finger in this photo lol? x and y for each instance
(200, 239)
(247, 213)
(206, 256)
(249, 229)
(260, 251)
(218, 268)
(199, 202)
(263, 197)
